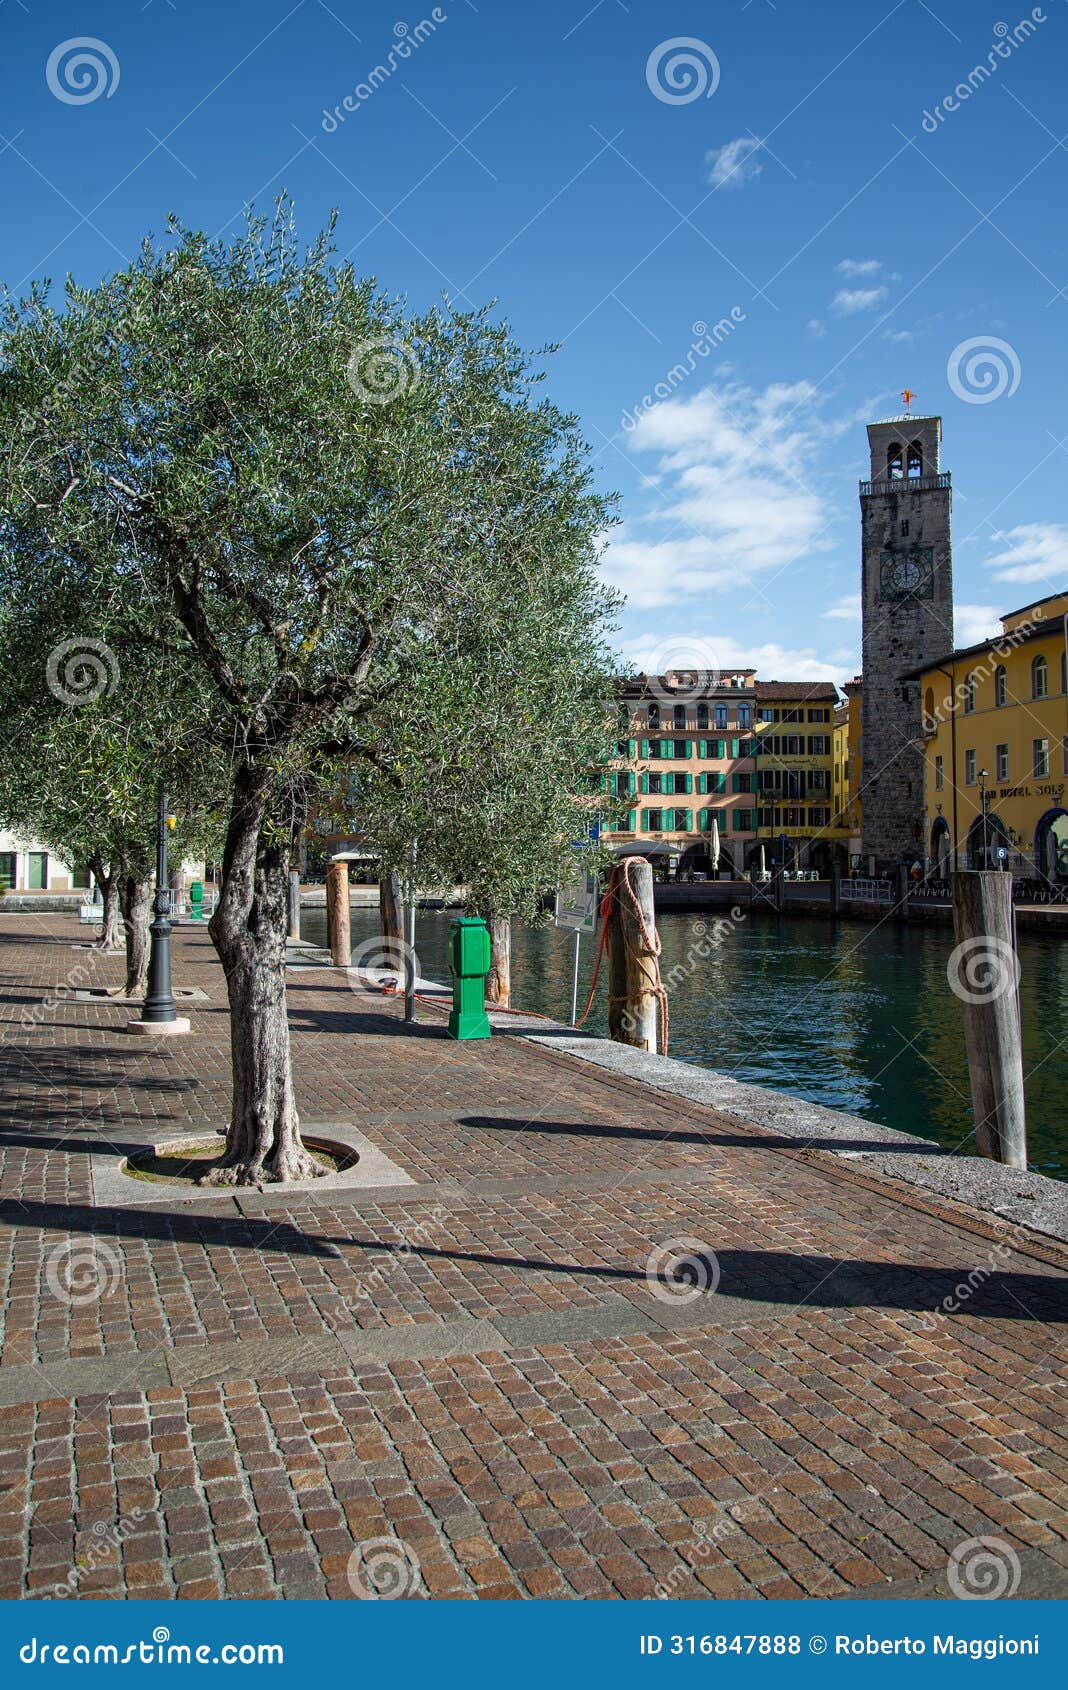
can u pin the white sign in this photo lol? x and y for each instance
(577, 904)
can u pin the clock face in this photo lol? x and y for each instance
(908, 573)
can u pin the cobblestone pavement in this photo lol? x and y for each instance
(488, 1383)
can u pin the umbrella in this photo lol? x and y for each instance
(763, 866)
(714, 847)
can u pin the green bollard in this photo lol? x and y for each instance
(196, 901)
(469, 960)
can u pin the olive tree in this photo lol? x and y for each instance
(305, 487)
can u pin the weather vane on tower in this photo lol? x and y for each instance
(908, 396)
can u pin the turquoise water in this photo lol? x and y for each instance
(855, 1017)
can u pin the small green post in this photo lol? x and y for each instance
(469, 960)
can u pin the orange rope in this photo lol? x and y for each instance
(650, 940)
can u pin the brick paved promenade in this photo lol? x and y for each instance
(229, 1395)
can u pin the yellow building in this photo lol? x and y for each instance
(795, 757)
(688, 772)
(995, 738)
(846, 792)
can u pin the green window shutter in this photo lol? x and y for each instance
(602, 783)
(645, 747)
(632, 822)
(688, 779)
(721, 781)
(645, 783)
(687, 821)
(702, 749)
(721, 748)
(736, 784)
(632, 748)
(689, 748)
(645, 821)
(632, 783)
(734, 748)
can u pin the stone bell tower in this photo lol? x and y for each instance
(907, 610)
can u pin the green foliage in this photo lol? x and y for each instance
(334, 531)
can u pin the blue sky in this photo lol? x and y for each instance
(805, 185)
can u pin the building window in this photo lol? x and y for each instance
(721, 715)
(905, 529)
(793, 818)
(742, 821)
(969, 768)
(1039, 678)
(653, 821)
(654, 715)
(745, 716)
(765, 715)
(915, 460)
(8, 867)
(940, 774)
(819, 745)
(1001, 686)
(968, 694)
(1001, 763)
(819, 816)
(702, 715)
(895, 460)
(1040, 758)
(679, 717)
(819, 715)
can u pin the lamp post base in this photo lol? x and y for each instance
(165, 1029)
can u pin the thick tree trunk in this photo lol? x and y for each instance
(110, 936)
(263, 1141)
(135, 898)
(390, 900)
(499, 978)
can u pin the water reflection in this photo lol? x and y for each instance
(859, 1018)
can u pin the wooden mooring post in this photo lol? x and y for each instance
(984, 972)
(338, 931)
(293, 909)
(391, 916)
(633, 961)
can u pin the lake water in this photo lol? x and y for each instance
(855, 1017)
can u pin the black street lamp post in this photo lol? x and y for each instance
(983, 802)
(159, 1003)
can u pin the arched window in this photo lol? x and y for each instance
(915, 460)
(1039, 677)
(968, 693)
(930, 721)
(1001, 686)
(654, 715)
(680, 716)
(702, 715)
(894, 460)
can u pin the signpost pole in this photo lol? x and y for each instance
(574, 978)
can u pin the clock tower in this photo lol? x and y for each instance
(907, 611)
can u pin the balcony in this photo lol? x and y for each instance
(904, 484)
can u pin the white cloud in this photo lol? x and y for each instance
(733, 501)
(816, 328)
(898, 335)
(772, 662)
(973, 623)
(844, 610)
(849, 301)
(1035, 551)
(735, 164)
(859, 267)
